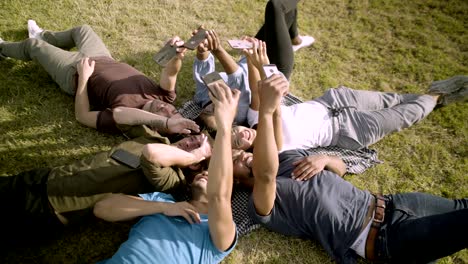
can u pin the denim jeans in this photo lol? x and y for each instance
(420, 228)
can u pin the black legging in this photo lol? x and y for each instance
(279, 28)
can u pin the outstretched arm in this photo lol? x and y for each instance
(213, 44)
(82, 109)
(134, 116)
(309, 166)
(266, 163)
(221, 225)
(169, 73)
(167, 155)
(121, 207)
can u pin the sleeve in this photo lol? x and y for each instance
(200, 69)
(239, 80)
(165, 95)
(164, 179)
(157, 197)
(105, 122)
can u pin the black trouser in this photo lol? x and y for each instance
(26, 214)
(419, 228)
(279, 28)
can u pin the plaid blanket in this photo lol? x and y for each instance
(357, 161)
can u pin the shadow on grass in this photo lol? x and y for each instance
(91, 241)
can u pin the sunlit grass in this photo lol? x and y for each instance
(384, 45)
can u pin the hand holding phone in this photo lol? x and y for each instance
(240, 44)
(165, 54)
(212, 78)
(196, 39)
(270, 69)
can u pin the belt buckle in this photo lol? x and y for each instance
(377, 214)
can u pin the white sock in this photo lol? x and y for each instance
(306, 41)
(34, 31)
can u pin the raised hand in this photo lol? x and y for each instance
(309, 166)
(181, 126)
(179, 43)
(257, 55)
(225, 103)
(271, 91)
(184, 209)
(204, 150)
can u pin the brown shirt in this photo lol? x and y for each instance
(114, 84)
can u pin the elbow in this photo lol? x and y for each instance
(101, 209)
(265, 177)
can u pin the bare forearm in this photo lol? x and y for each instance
(167, 155)
(229, 64)
(220, 168)
(82, 106)
(169, 74)
(254, 77)
(134, 116)
(336, 165)
(278, 126)
(266, 161)
(120, 207)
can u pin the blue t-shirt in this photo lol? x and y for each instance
(161, 239)
(325, 208)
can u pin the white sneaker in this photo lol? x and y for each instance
(306, 41)
(1, 40)
(34, 31)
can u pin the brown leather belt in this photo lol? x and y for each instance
(377, 206)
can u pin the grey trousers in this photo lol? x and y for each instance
(53, 55)
(361, 118)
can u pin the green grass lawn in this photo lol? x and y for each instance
(385, 45)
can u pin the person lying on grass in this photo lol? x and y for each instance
(342, 117)
(108, 94)
(279, 31)
(41, 202)
(347, 221)
(198, 231)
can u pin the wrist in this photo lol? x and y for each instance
(218, 51)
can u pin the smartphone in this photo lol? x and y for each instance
(240, 44)
(165, 54)
(270, 69)
(212, 77)
(126, 158)
(196, 39)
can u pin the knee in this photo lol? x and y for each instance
(274, 6)
(32, 42)
(84, 29)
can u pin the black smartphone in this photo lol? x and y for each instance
(165, 54)
(270, 69)
(196, 39)
(126, 158)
